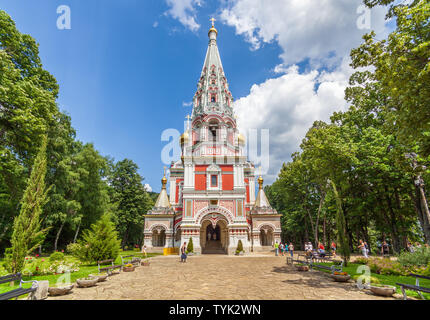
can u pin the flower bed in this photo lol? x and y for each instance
(42, 266)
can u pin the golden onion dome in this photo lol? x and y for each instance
(241, 139)
(260, 181)
(213, 29)
(184, 138)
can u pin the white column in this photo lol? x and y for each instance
(252, 191)
(173, 191)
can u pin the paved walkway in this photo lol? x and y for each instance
(219, 277)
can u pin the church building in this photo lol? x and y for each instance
(212, 187)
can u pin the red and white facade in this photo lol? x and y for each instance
(212, 187)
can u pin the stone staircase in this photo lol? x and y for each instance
(213, 247)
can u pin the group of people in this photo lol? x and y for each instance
(417, 245)
(309, 249)
(284, 248)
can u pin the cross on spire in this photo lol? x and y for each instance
(213, 21)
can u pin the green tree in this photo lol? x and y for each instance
(131, 199)
(27, 109)
(27, 234)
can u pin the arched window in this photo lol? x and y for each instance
(213, 129)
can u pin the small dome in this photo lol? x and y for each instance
(241, 139)
(213, 29)
(184, 138)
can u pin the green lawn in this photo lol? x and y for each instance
(387, 279)
(84, 271)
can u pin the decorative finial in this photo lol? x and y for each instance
(164, 180)
(213, 29)
(260, 178)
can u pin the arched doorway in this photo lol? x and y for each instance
(214, 240)
(158, 238)
(266, 237)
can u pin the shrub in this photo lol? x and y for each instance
(239, 247)
(56, 256)
(373, 280)
(361, 260)
(421, 257)
(190, 247)
(99, 243)
(386, 267)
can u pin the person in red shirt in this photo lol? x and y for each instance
(321, 249)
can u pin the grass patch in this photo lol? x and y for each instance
(387, 279)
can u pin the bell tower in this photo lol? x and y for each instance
(212, 186)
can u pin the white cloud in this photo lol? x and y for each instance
(288, 105)
(323, 31)
(185, 12)
(147, 187)
(187, 104)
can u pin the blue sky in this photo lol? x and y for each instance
(126, 68)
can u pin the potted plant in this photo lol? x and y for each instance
(340, 276)
(87, 282)
(101, 277)
(136, 261)
(190, 247)
(128, 267)
(239, 250)
(302, 267)
(60, 289)
(382, 290)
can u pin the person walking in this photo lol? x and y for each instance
(291, 248)
(385, 248)
(183, 252)
(277, 248)
(367, 248)
(144, 251)
(363, 249)
(281, 248)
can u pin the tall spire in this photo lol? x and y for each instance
(163, 198)
(213, 95)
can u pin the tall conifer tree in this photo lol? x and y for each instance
(27, 234)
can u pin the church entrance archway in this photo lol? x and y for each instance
(214, 239)
(266, 237)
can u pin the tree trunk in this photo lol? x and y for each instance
(420, 214)
(324, 231)
(424, 206)
(76, 233)
(58, 235)
(318, 219)
(393, 223)
(124, 239)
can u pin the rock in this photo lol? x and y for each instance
(42, 291)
